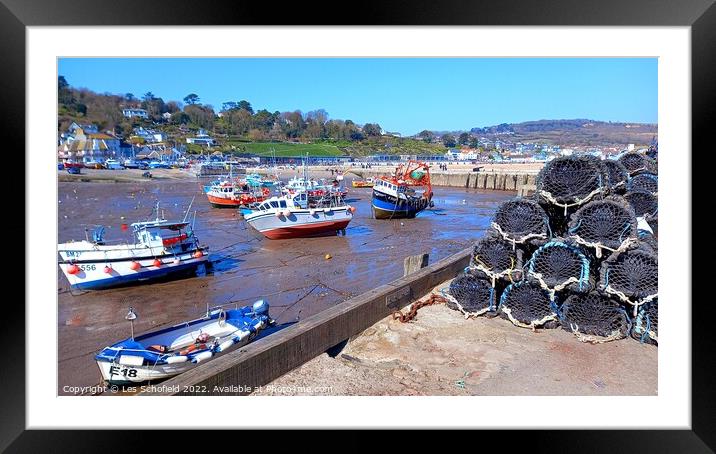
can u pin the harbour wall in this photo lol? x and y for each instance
(492, 180)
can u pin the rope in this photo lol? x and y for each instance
(591, 339)
(445, 293)
(577, 201)
(521, 239)
(533, 324)
(599, 246)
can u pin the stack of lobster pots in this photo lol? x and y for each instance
(579, 254)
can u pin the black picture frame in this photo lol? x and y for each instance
(700, 15)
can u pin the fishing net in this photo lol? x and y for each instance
(594, 318)
(557, 266)
(521, 220)
(644, 182)
(572, 181)
(618, 175)
(528, 305)
(471, 295)
(494, 258)
(646, 324)
(632, 276)
(649, 241)
(637, 163)
(605, 224)
(645, 204)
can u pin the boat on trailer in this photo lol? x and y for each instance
(170, 351)
(394, 196)
(159, 249)
(296, 216)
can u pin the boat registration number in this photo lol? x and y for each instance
(91, 267)
(123, 371)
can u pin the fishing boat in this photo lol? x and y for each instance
(367, 183)
(228, 193)
(170, 351)
(254, 179)
(159, 248)
(294, 216)
(74, 170)
(394, 196)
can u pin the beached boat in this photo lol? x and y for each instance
(367, 183)
(394, 196)
(113, 164)
(159, 248)
(74, 170)
(254, 179)
(228, 193)
(294, 216)
(170, 351)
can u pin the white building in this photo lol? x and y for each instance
(202, 138)
(129, 113)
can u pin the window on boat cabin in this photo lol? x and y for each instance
(282, 204)
(274, 204)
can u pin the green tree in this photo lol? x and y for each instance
(371, 129)
(464, 138)
(243, 104)
(449, 141)
(191, 98)
(426, 136)
(474, 143)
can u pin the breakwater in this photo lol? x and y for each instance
(492, 180)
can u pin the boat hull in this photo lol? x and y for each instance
(92, 275)
(300, 223)
(220, 202)
(388, 207)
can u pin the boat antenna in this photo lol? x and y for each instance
(189, 208)
(131, 316)
(193, 221)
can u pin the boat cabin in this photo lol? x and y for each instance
(160, 232)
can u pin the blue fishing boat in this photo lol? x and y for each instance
(170, 351)
(394, 197)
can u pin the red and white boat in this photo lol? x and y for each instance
(292, 216)
(229, 193)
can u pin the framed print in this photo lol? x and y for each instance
(360, 221)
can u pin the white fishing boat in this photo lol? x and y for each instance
(159, 248)
(170, 351)
(292, 216)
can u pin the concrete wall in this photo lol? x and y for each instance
(498, 181)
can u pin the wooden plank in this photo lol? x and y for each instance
(413, 263)
(243, 370)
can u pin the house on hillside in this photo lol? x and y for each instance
(90, 148)
(150, 135)
(201, 138)
(130, 113)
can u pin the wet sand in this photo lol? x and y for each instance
(292, 275)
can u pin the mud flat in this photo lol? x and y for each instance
(442, 353)
(123, 176)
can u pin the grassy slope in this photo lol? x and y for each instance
(288, 149)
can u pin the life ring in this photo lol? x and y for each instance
(222, 318)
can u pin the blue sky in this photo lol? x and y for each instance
(403, 95)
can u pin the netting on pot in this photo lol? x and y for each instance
(618, 175)
(648, 240)
(637, 163)
(572, 181)
(471, 295)
(648, 182)
(646, 324)
(494, 258)
(645, 204)
(631, 276)
(594, 318)
(559, 265)
(528, 305)
(521, 220)
(604, 224)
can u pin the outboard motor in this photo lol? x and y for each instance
(260, 307)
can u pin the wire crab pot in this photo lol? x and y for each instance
(618, 175)
(631, 276)
(559, 265)
(645, 204)
(521, 221)
(646, 324)
(594, 318)
(528, 305)
(572, 181)
(471, 295)
(648, 182)
(637, 163)
(605, 224)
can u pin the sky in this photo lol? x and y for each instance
(405, 95)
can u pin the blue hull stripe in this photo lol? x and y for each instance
(144, 275)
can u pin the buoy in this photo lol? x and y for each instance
(135, 266)
(123, 227)
(353, 209)
(157, 263)
(198, 255)
(328, 256)
(73, 269)
(108, 269)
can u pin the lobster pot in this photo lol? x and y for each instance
(637, 163)
(646, 205)
(471, 295)
(632, 276)
(566, 183)
(495, 259)
(559, 266)
(645, 327)
(648, 182)
(609, 223)
(618, 176)
(594, 318)
(527, 305)
(522, 222)
(648, 241)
